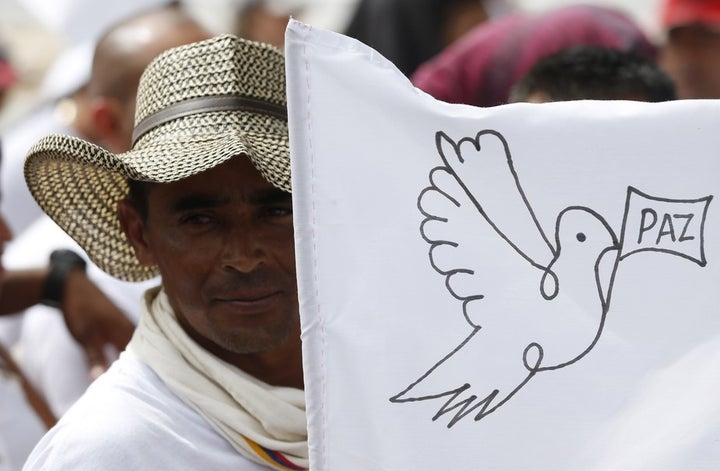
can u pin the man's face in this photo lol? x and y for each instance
(691, 57)
(223, 241)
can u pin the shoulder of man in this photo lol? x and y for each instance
(110, 427)
(129, 419)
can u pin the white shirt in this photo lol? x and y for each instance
(20, 427)
(129, 419)
(51, 359)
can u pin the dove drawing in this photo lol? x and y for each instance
(482, 232)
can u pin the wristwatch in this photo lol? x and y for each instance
(61, 262)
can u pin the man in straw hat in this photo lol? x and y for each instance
(212, 378)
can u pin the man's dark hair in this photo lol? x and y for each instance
(595, 73)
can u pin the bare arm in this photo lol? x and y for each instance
(90, 316)
(21, 289)
(93, 319)
(34, 398)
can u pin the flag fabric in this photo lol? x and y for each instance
(529, 286)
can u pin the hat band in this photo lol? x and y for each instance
(207, 105)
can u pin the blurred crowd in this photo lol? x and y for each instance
(477, 52)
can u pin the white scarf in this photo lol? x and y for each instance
(264, 423)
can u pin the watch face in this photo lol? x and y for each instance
(67, 257)
(61, 262)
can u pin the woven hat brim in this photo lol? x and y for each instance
(78, 184)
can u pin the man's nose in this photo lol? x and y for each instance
(244, 250)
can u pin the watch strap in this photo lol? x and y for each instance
(61, 263)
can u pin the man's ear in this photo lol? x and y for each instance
(108, 120)
(133, 226)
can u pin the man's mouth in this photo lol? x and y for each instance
(249, 300)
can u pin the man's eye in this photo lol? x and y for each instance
(278, 211)
(197, 219)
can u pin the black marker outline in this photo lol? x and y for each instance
(463, 407)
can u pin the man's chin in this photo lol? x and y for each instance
(259, 341)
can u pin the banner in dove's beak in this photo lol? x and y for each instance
(664, 225)
(531, 286)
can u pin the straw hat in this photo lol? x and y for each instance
(197, 106)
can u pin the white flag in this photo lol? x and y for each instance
(521, 287)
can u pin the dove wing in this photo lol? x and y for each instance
(472, 207)
(483, 166)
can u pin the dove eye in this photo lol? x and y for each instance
(581, 237)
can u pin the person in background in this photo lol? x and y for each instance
(57, 104)
(121, 55)
(86, 312)
(480, 68)
(594, 73)
(51, 359)
(8, 77)
(90, 317)
(24, 413)
(691, 49)
(409, 32)
(46, 360)
(258, 21)
(265, 20)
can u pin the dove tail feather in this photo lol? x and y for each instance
(398, 398)
(463, 407)
(469, 404)
(466, 406)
